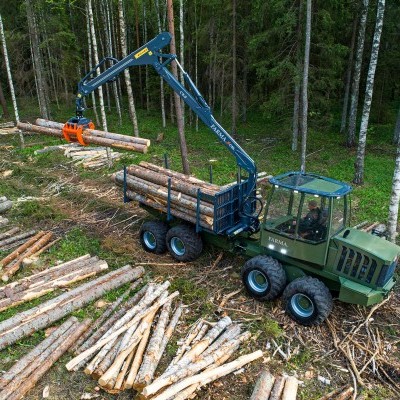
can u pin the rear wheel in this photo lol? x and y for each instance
(153, 236)
(263, 277)
(308, 301)
(184, 243)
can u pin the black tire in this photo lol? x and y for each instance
(263, 277)
(183, 243)
(307, 301)
(153, 236)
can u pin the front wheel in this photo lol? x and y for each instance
(184, 243)
(153, 236)
(263, 277)
(307, 301)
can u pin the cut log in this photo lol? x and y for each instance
(199, 347)
(108, 135)
(346, 394)
(179, 214)
(110, 309)
(5, 205)
(3, 221)
(69, 279)
(112, 320)
(44, 248)
(17, 238)
(334, 392)
(201, 363)
(43, 315)
(27, 383)
(263, 386)
(29, 358)
(201, 334)
(208, 376)
(231, 332)
(10, 271)
(124, 370)
(290, 390)
(84, 355)
(101, 362)
(277, 389)
(9, 233)
(145, 375)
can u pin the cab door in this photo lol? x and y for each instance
(281, 232)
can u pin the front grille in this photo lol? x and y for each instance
(360, 267)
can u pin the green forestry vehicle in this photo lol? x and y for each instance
(302, 247)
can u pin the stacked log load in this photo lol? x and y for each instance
(90, 136)
(148, 184)
(23, 375)
(129, 335)
(41, 316)
(50, 279)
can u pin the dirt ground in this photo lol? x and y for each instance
(324, 353)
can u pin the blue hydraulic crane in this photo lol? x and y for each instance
(149, 54)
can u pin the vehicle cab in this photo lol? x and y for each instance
(303, 212)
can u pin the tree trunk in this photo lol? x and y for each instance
(394, 200)
(43, 94)
(348, 78)
(162, 94)
(304, 97)
(297, 83)
(132, 109)
(146, 68)
(396, 134)
(234, 71)
(10, 81)
(359, 167)
(137, 46)
(96, 61)
(178, 108)
(263, 386)
(3, 103)
(182, 54)
(351, 131)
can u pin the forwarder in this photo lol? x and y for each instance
(303, 264)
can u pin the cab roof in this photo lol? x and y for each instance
(312, 184)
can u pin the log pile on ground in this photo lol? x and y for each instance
(90, 136)
(14, 238)
(5, 204)
(270, 388)
(50, 279)
(24, 375)
(43, 315)
(148, 184)
(199, 360)
(91, 157)
(129, 337)
(33, 245)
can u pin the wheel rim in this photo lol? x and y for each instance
(302, 305)
(149, 240)
(258, 282)
(177, 246)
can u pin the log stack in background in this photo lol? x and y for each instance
(90, 136)
(33, 244)
(148, 184)
(47, 281)
(43, 315)
(23, 375)
(201, 359)
(129, 336)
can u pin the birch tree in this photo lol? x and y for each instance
(396, 135)
(394, 200)
(127, 75)
(10, 80)
(3, 103)
(42, 89)
(178, 108)
(304, 94)
(348, 78)
(359, 166)
(351, 131)
(96, 61)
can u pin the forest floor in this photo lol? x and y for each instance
(86, 210)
